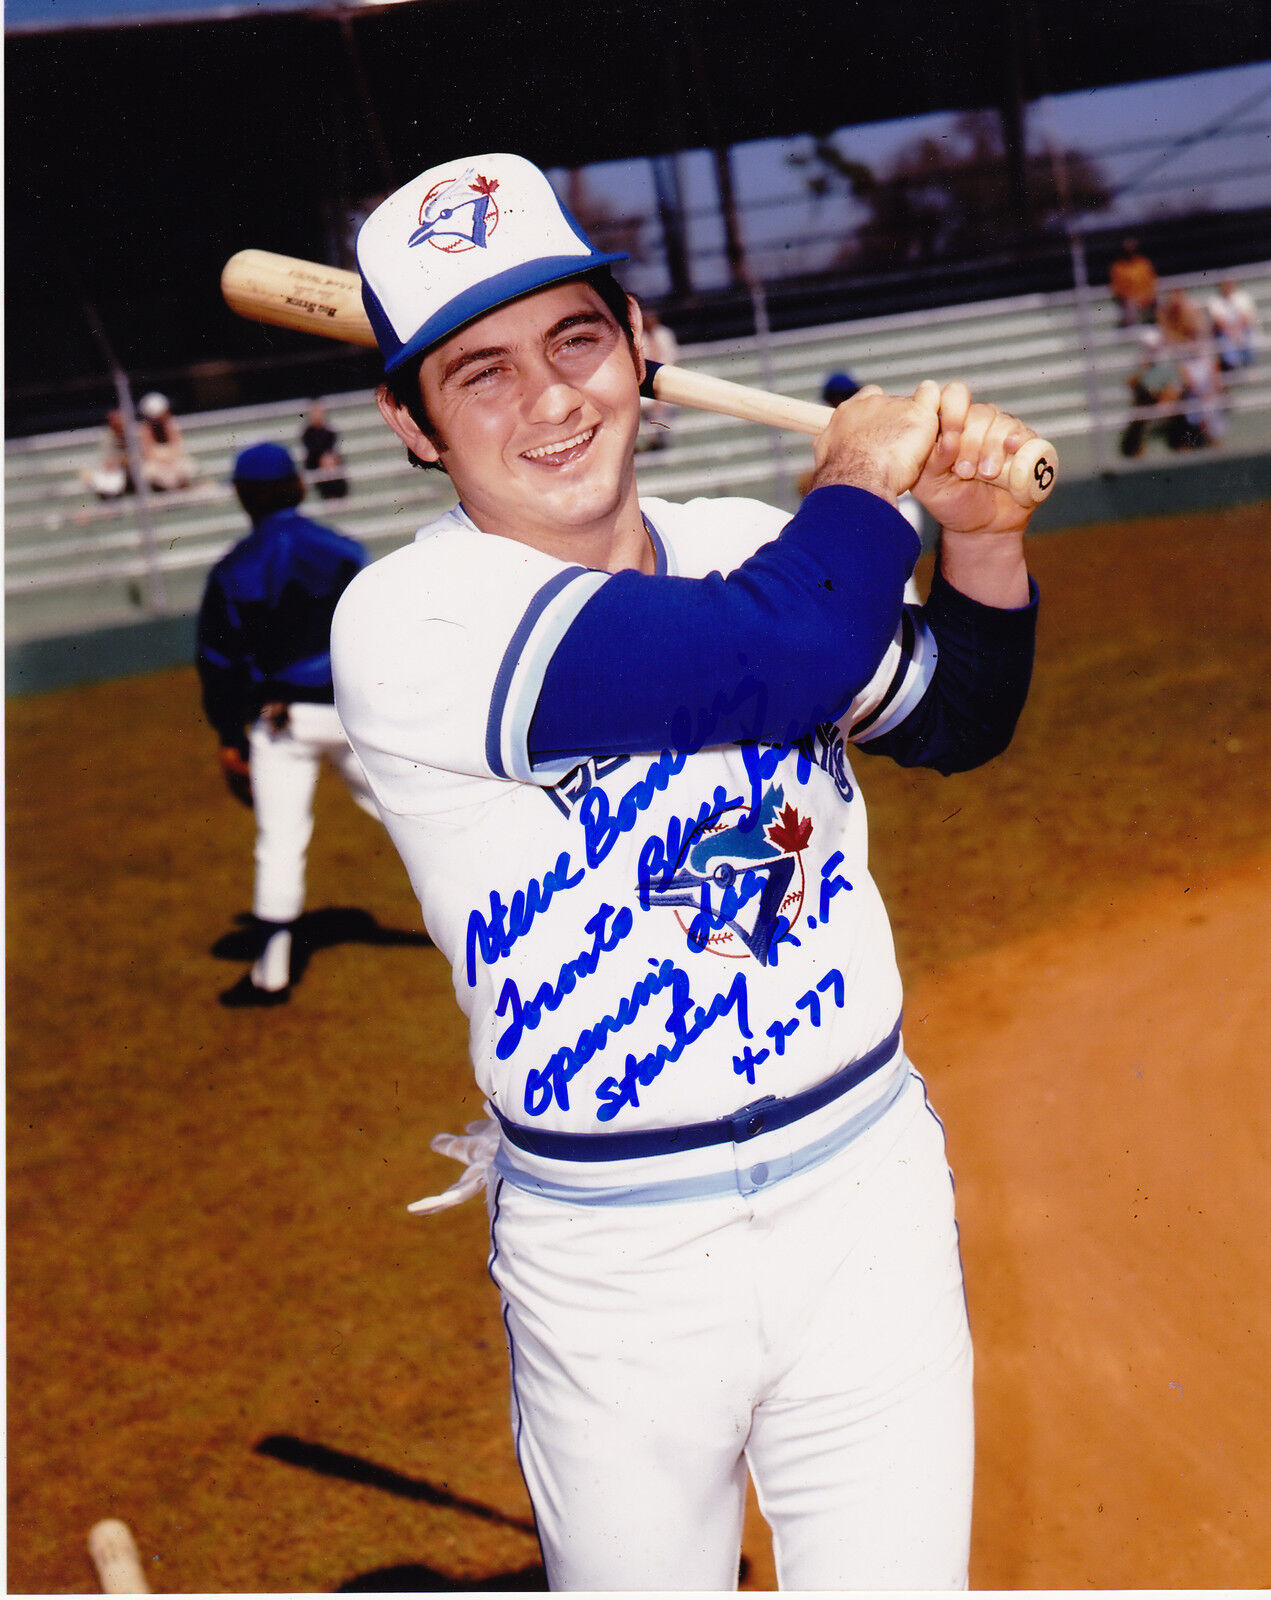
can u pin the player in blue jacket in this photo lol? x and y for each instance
(613, 739)
(264, 661)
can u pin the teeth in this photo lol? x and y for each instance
(558, 449)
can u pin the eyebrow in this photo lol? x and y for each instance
(577, 319)
(469, 358)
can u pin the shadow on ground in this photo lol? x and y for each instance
(411, 1577)
(314, 931)
(356, 1469)
(425, 1580)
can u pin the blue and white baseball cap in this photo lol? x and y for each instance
(459, 240)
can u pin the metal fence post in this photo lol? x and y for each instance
(157, 589)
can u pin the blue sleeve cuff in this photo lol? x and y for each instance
(972, 705)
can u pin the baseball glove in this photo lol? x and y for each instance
(237, 773)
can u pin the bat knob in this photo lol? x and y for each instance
(1030, 474)
(114, 1553)
(651, 368)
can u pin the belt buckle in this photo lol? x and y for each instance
(748, 1123)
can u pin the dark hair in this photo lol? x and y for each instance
(262, 497)
(403, 384)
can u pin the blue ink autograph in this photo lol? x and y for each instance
(493, 936)
(551, 1081)
(603, 828)
(526, 1014)
(640, 1072)
(744, 1065)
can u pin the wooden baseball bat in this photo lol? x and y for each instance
(304, 295)
(114, 1553)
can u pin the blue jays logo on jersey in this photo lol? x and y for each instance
(737, 886)
(458, 214)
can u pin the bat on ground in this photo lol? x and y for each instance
(114, 1553)
(305, 295)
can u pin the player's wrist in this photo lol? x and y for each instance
(854, 469)
(988, 567)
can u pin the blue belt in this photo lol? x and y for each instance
(760, 1116)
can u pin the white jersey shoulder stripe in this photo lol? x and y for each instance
(519, 681)
(903, 677)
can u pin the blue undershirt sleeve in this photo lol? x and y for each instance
(969, 712)
(223, 679)
(769, 652)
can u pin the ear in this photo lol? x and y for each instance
(404, 425)
(637, 329)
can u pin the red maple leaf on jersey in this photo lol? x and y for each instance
(790, 832)
(484, 185)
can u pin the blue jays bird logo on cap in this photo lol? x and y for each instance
(458, 214)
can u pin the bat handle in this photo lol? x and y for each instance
(1028, 476)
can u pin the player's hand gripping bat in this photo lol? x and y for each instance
(310, 297)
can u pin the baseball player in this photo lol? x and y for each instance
(609, 737)
(264, 661)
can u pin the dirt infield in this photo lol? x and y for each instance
(224, 1328)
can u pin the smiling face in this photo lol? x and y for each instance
(534, 410)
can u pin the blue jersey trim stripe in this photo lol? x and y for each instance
(661, 558)
(512, 660)
(511, 1344)
(762, 1116)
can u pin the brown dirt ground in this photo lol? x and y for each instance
(224, 1328)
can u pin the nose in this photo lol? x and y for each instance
(549, 396)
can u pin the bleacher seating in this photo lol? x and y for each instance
(74, 563)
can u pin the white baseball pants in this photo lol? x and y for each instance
(284, 768)
(814, 1332)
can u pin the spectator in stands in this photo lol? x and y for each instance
(110, 478)
(1204, 392)
(1177, 376)
(164, 459)
(323, 461)
(660, 345)
(1234, 319)
(1133, 283)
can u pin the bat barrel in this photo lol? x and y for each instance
(289, 293)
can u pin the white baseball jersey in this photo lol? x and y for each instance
(642, 942)
(645, 945)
